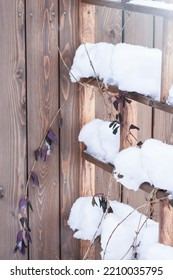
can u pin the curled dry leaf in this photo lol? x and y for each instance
(22, 204)
(35, 179)
(52, 137)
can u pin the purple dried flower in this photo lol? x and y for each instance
(22, 204)
(51, 136)
(35, 179)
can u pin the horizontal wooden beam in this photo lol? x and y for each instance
(146, 187)
(134, 96)
(127, 6)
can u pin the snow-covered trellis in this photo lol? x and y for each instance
(145, 111)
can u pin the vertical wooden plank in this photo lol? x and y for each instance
(138, 31)
(162, 122)
(12, 122)
(167, 58)
(166, 212)
(42, 103)
(87, 113)
(69, 147)
(165, 224)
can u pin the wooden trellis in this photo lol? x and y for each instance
(164, 19)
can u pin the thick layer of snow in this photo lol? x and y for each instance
(159, 252)
(100, 141)
(170, 97)
(154, 4)
(152, 163)
(128, 164)
(130, 67)
(85, 218)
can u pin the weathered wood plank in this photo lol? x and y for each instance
(87, 113)
(42, 103)
(69, 147)
(167, 59)
(163, 123)
(12, 122)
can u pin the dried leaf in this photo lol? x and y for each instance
(20, 244)
(25, 224)
(94, 201)
(22, 221)
(51, 135)
(28, 236)
(30, 205)
(115, 130)
(22, 204)
(43, 154)
(103, 203)
(111, 124)
(132, 126)
(35, 179)
(19, 236)
(120, 176)
(140, 143)
(48, 142)
(37, 154)
(23, 247)
(110, 210)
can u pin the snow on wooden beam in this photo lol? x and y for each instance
(134, 96)
(160, 194)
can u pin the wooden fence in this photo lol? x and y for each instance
(34, 83)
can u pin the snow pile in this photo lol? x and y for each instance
(85, 218)
(129, 170)
(153, 4)
(100, 141)
(130, 67)
(152, 163)
(159, 252)
(170, 97)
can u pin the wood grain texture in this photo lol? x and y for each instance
(69, 147)
(165, 224)
(163, 122)
(12, 122)
(87, 113)
(42, 103)
(167, 59)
